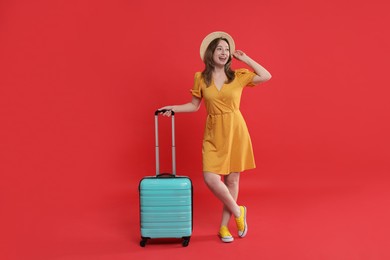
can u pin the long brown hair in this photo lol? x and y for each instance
(207, 73)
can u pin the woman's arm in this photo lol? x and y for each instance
(192, 106)
(262, 74)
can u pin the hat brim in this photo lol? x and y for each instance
(214, 35)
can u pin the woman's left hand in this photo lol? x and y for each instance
(240, 55)
(262, 74)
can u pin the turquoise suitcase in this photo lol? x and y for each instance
(166, 201)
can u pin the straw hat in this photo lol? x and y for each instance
(214, 35)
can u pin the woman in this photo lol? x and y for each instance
(227, 148)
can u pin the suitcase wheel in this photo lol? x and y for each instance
(143, 242)
(186, 241)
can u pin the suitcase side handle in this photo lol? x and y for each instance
(165, 175)
(156, 113)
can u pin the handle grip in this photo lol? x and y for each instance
(163, 111)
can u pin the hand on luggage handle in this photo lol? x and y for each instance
(162, 111)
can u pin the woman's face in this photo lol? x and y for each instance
(221, 54)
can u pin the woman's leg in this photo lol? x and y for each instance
(232, 183)
(222, 192)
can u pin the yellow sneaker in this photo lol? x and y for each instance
(241, 222)
(225, 235)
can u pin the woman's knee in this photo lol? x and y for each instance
(232, 180)
(211, 178)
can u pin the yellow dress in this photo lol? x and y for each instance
(227, 146)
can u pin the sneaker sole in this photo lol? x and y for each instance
(227, 240)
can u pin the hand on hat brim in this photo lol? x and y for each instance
(239, 55)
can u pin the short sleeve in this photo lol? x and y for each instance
(196, 89)
(245, 76)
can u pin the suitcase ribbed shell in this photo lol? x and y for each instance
(166, 207)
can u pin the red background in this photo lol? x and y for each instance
(80, 80)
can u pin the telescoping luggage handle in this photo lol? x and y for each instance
(157, 145)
